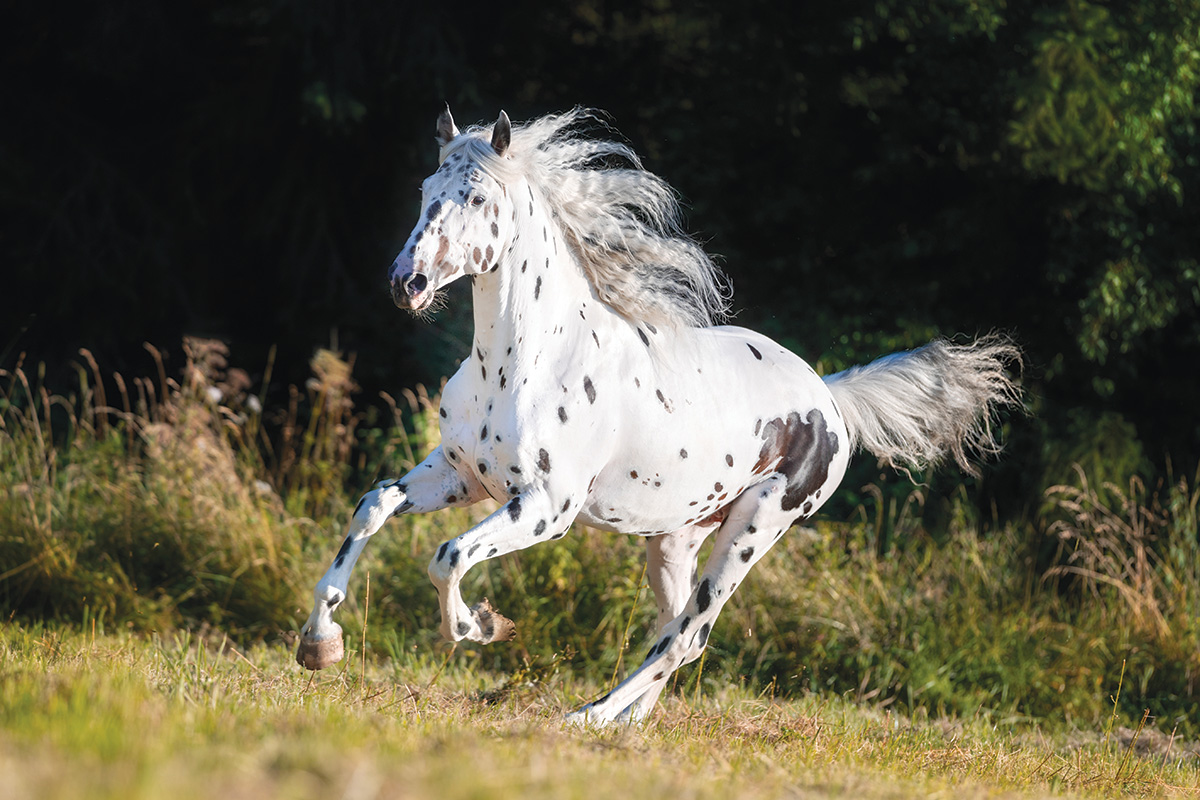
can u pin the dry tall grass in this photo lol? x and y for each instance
(1137, 554)
(160, 507)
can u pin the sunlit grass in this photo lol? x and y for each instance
(182, 717)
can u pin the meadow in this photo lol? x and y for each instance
(187, 716)
(159, 538)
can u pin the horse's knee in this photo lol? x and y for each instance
(442, 565)
(328, 594)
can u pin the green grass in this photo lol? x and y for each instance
(185, 717)
(170, 509)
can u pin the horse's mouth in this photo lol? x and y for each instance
(412, 302)
(422, 306)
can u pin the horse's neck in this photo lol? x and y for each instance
(537, 289)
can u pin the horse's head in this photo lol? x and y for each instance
(466, 217)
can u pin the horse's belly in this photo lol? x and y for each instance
(658, 495)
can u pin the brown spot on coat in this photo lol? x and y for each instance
(800, 449)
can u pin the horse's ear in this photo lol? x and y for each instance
(446, 129)
(501, 134)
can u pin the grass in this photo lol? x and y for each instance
(175, 505)
(188, 717)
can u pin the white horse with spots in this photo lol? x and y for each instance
(597, 391)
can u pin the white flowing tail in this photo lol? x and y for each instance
(911, 409)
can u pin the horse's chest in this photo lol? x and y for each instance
(486, 436)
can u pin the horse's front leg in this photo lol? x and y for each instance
(429, 486)
(537, 515)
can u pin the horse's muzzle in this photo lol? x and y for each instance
(409, 291)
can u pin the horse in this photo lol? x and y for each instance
(600, 389)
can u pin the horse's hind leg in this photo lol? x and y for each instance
(755, 521)
(671, 567)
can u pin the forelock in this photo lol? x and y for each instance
(475, 144)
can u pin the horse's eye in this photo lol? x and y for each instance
(477, 200)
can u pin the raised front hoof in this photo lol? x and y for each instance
(493, 626)
(317, 654)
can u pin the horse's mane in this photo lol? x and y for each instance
(623, 222)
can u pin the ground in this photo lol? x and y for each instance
(186, 717)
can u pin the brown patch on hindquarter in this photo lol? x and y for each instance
(800, 449)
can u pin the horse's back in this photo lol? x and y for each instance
(739, 371)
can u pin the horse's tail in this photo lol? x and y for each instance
(913, 408)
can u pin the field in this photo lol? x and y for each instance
(157, 550)
(187, 717)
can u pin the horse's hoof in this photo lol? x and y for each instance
(317, 654)
(494, 626)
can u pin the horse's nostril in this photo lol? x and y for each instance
(415, 284)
